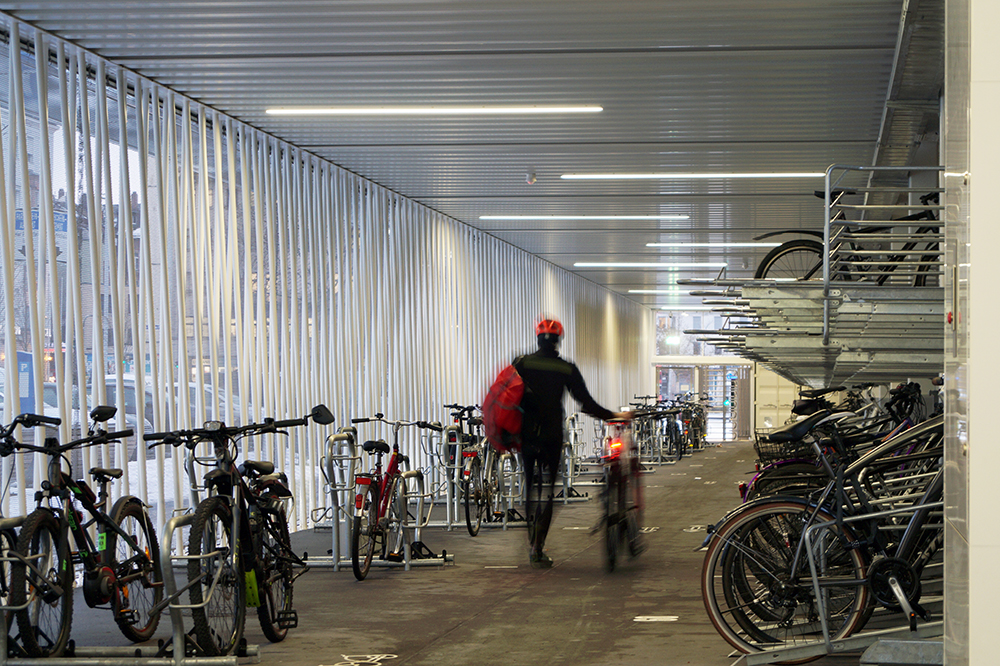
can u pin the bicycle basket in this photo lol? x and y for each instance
(769, 452)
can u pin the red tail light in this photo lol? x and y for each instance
(359, 501)
(468, 454)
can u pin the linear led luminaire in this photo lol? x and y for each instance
(584, 217)
(654, 291)
(689, 176)
(426, 110)
(720, 245)
(685, 308)
(600, 264)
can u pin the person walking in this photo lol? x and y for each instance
(547, 377)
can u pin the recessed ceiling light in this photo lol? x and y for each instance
(584, 217)
(611, 264)
(712, 244)
(689, 176)
(426, 110)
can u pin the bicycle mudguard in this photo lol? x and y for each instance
(361, 484)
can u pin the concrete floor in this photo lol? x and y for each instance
(490, 607)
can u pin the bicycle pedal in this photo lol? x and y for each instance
(287, 619)
(394, 557)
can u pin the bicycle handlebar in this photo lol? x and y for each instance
(191, 437)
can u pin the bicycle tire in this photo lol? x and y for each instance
(752, 597)
(493, 488)
(276, 583)
(798, 259)
(45, 623)
(138, 578)
(365, 534)
(8, 544)
(475, 497)
(218, 614)
(396, 514)
(612, 522)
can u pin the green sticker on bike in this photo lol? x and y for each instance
(102, 542)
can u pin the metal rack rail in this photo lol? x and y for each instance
(874, 313)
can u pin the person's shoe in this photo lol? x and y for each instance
(540, 560)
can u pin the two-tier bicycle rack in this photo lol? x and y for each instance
(883, 324)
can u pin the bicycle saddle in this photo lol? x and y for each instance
(105, 473)
(795, 431)
(258, 466)
(816, 393)
(377, 445)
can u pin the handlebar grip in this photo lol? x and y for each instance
(430, 426)
(363, 419)
(288, 423)
(121, 434)
(48, 420)
(156, 436)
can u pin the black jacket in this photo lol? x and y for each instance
(546, 378)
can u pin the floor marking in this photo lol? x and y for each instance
(679, 474)
(363, 660)
(710, 483)
(648, 530)
(694, 528)
(500, 566)
(576, 528)
(696, 465)
(655, 618)
(697, 478)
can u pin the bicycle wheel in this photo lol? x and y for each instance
(44, 585)
(138, 579)
(8, 544)
(365, 534)
(757, 601)
(475, 497)
(493, 488)
(395, 528)
(798, 259)
(275, 585)
(219, 608)
(612, 518)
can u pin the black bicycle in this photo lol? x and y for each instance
(239, 549)
(859, 256)
(121, 568)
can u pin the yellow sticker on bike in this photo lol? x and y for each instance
(253, 598)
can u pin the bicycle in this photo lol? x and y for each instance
(380, 504)
(121, 568)
(766, 585)
(239, 549)
(802, 259)
(622, 494)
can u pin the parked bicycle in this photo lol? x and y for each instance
(239, 550)
(482, 480)
(785, 570)
(856, 253)
(380, 504)
(121, 568)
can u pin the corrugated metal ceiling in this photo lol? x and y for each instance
(717, 85)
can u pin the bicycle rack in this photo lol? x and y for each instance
(571, 463)
(881, 323)
(859, 640)
(338, 466)
(159, 655)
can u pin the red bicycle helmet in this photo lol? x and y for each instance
(549, 326)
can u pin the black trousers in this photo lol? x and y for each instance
(541, 466)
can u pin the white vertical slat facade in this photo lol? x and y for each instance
(198, 268)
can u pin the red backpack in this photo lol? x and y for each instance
(502, 410)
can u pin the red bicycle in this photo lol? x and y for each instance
(380, 501)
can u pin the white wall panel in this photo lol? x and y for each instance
(209, 270)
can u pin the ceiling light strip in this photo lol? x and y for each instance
(611, 264)
(582, 218)
(719, 245)
(427, 110)
(689, 176)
